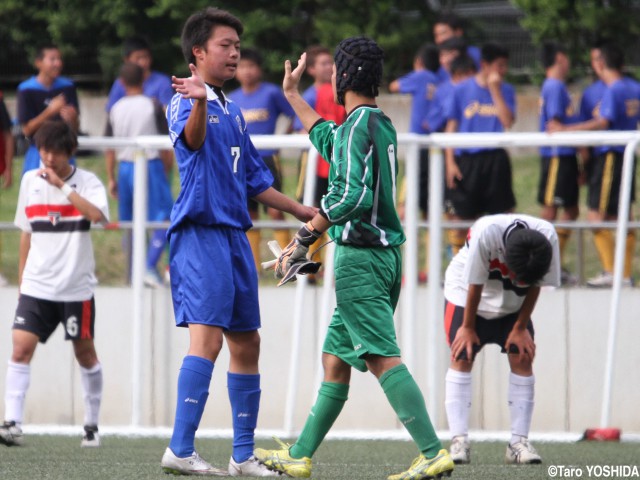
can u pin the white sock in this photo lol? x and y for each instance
(92, 386)
(16, 385)
(521, 392)
(458, 401)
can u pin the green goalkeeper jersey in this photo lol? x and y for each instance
(360, 202)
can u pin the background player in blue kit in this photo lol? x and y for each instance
(213, 277)
(46, 96)
(559, 172)
(619, 110)
(479, 179)
(261, 104)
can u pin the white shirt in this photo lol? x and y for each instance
(60, 264)
(132, 116)
(482, 262)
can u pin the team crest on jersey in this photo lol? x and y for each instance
(239, 123)
(214, 119)
(54, 217)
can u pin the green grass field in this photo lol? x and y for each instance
(60, 457)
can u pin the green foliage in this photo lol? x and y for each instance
(578, 24)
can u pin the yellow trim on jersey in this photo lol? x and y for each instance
(552, 181)
(607, 180)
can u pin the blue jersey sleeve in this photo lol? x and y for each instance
(509, 94)
(410, 83)
(177, 116)
(608, 107)
(164, 90)
(553, 102)
(453, 109)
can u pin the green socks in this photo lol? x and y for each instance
(331, 398)
(406, 399)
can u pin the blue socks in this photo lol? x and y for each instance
(244, 396)
(193, 391)
(156, 248)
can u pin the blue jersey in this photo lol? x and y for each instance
(261, 109)
(620, 106)
(473, 108)
(555, 103)
(421, 84)
(216, 179)
(157, 85)
(590, 101)
(33, 98)
(310, 95)
(436, 117)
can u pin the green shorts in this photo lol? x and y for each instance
(367, 290)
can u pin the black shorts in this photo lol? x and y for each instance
(489, 331)
(273, 162)
(486, 186)
(41, 317)
(558, 186)
(322, 183)
(605, 182)
(423, 183)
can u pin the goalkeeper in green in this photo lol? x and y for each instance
(359, 212)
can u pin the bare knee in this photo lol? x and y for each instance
(335, 370)
(85, 353)
(244, 349)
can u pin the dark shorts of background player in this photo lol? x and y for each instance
(605, 182)
(558, 186)
(322, 183)
(273, 162)
(41, 317)
(489, 331)
(486, 185)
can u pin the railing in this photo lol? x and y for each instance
(412, 143)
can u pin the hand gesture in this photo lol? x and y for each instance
(292, 78)
(57, 103)
(191, 87)
(494, 79)
(69, 114)
(554, 125)
(453, 174)
(465, 339)
(50, 176)
(521, 339)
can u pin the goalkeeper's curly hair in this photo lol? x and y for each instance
(358, 67)
(528, 255)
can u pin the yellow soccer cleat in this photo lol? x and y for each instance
(423, 468)
(281, 461)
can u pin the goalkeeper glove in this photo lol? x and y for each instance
(296, 251)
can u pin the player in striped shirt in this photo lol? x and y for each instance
(56, 206)
(359, 212)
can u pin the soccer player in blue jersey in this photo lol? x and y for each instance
(619, 110)
(155, 84)
(559, 172)
(261, 104)
(359, 212)
(479, 179)
(46, 96)
(421, 83)
(449, 26)
(213, 277)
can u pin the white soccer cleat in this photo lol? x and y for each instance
(11, 434)
(193, 465)
(251, 468)
(91, 438)
(605, 280)
(460, 450)
(522, 453)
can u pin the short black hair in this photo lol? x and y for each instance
(452, 20)
(135, 44)
(131, 74)
(252, 55)
(198, 27)
(43, 47)
(528, 255)
(429, 55)
(549, 52)
(463, 64)
(56, 136)
(613, 56)
(454, 43)
(492, 51)
(314, 51)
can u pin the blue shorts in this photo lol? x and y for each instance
(213, 278)
(32, 159)
(159, 202)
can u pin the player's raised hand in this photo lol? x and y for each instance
(190, 87)
(292, 77)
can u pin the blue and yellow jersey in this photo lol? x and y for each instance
(621, 107)
(555, 104)
(590, 101)
(421, 84)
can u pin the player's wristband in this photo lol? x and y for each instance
(66, 189)
(307, 235)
